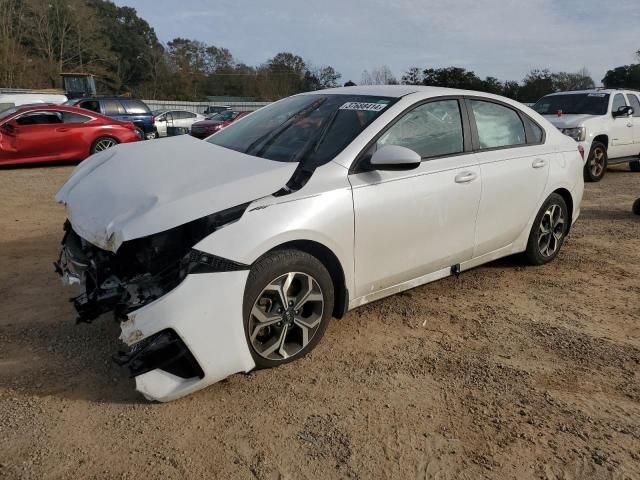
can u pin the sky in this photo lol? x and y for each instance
(499, 38)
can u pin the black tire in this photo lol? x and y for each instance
(140, 133)
(635, 166)
(636, 207)
(535, 253)
(96, 146)
(267, 270)
(597, 163)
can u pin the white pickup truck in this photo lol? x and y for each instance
(604, 122)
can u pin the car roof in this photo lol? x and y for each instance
(594, 90)
(398, 91)
(62, 108)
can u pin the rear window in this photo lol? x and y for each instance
(72, 117)
(112, 107)
(635, 104)
(135, 107)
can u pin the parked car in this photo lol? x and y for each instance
(238, 254)
(604, 122)
(10, 100)
(49, 132)
(124, 109)
(214, 123)
(212, 110)
(174, 118)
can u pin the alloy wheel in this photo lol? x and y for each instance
(597, 161)
(551, 230)
(104, 144)
(286, 316)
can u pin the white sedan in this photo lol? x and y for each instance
(225, 255)
(174, 118)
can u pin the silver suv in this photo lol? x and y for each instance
(604, 122)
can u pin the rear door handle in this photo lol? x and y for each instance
(62, 129)
(465, 177)
(629, 124)
(539, 163)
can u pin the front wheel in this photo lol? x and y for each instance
(597, 161)
(548, 231)
(288, 303)
(636, 207)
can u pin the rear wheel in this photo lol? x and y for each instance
(548, 231)
(287, 306)
(103, 143)
(635, 166)
(636, 207)
(597, 161)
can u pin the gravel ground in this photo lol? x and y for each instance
(507, 372)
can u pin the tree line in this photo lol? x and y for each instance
(39, 39)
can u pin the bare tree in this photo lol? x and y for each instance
(381, 75)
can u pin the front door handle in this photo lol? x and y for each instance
(62, 129)
(465, 177)
(629, 124)
(539, 163)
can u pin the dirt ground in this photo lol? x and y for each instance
(509, 372)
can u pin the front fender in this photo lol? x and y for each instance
(326, 218)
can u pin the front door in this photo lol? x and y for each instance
(621, 143)
(413, 223)
(635, 104)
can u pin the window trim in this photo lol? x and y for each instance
(89, 117)
(36, 112)
(355, 166)
(528, 134)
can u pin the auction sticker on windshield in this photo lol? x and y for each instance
(370, 107)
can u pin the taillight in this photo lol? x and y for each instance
(581, 151)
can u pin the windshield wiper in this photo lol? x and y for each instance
(273, 134)
(316, 140)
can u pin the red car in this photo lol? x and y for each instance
(213, 123)
(43, 133)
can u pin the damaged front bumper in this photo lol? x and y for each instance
(182, 325)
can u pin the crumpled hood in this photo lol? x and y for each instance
(567, 121)
(138, 189)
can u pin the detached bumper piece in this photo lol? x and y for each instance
(165, 351)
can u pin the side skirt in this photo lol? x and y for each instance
(431, 277)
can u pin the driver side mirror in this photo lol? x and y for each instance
(623, 111)
(394, 157)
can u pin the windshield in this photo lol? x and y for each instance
(310, 128)
(573, 103)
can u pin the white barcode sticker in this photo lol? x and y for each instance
(370, 107)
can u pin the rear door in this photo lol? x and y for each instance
(138, 113)
(514, 164)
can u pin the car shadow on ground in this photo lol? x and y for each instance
(28, 166)
(43, 351)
